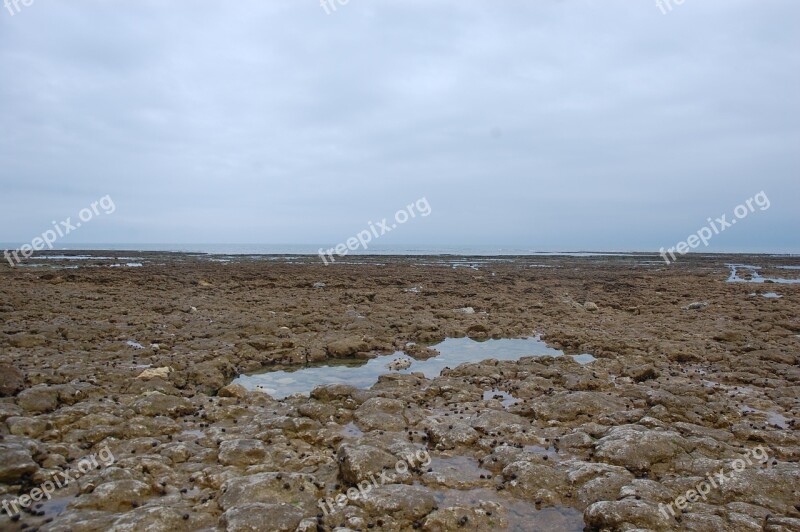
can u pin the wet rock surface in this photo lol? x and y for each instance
(139, 362)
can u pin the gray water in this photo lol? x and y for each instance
(756, 277)
(364, 373)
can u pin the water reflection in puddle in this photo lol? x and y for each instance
(768, 295)
(365, 373)
(773, 418)
(752, 275)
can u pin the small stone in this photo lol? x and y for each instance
(152, 373)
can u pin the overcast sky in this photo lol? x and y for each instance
(556, 125)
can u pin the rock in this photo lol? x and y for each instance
(334, 392)
(627, 514)
(347, 347)
(211, 375)
(466, 310)
(649, 490)
(381, 413)
(576, 440)
(602, 488)
(358, 462)
(696, 305)
(729, 336)
(488, 516)
(535, 481)
(780, 524)
(497, 420)
(149, 518)
(450, 434)
(399, 364)
(15, 461)
(159, 404)
(114, 496)
(152, 373)
(233, 390)
(319, 284)
(26, 341)
(11, 380)
(258, 516)
(567, 406)
(637, 448)
(591, 307)
(763, 487)
(641, 373)
(8, 410)
(683, 357)
(270, 488)
(242, 452)
(408, 503)
(39, 399)
(180, 452)
(458, 473)
(31, 427)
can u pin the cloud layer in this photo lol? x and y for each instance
(548, 124)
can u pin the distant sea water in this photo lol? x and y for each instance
(313, 249)
(309, 249)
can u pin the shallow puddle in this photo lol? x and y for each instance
(351, 431)
(773, 418)
(521, 516)
(505, 398)
(456, 472)
(751, 275)
(364, 373)
(550, 452)
(768, 295)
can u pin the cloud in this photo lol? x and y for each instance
(554, 125)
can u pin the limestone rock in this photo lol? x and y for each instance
(358, 462)
(152, 373)
(39, 399)
(242, 452)
(15, 461)
(269, 488)
(11, 380)
(637, 448)
(258, 516)
(627, 514)
(400, 501)
(159, 404)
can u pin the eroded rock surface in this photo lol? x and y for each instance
(138, 364)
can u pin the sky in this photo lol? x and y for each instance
(553, 125)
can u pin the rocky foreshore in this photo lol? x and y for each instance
(686, 420)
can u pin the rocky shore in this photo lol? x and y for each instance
(692, 374)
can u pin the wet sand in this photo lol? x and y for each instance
(691, 371)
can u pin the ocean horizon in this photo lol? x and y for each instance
(313, 249)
